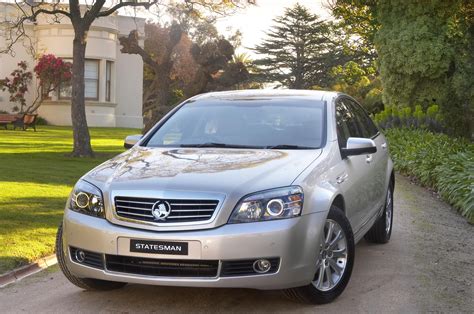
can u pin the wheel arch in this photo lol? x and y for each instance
(339, 202)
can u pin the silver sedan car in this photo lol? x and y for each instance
(249, 189)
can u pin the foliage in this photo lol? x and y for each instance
(437, 161)
(41, 121)
(36, 177)
(180, 64)
(358, 19)
(425, 55)
(455, 182)
(52, 71)
(394, 117)
(17, 84)
(361, 83)
(423, 50)
(298, 51)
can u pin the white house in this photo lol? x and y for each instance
(113, 81)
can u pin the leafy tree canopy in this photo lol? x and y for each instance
(357, 19)
(179, 64)
(298, 51)
(423, 51)
(426, 55)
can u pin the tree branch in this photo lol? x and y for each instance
(93, 13)
(130, 45)
(34, 13)
(122, 4)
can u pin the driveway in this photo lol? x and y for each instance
(427, 266)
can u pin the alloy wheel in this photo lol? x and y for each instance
(332, 259)
(388, 212)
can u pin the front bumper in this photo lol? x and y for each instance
(295, 241)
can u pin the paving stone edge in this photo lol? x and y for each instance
(27, 270)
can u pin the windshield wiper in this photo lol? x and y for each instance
(289, 146)
(219, 145)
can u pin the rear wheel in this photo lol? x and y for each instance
(334, 263)
(83, 283)
(382, 228)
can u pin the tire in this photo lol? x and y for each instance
(322, 295)
(83, 283)
(382, 228)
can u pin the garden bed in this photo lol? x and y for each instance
(437, 161)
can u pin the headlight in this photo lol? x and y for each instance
(268, 205)
(87, 199)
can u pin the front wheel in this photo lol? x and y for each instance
(83, 283)
(334, 263)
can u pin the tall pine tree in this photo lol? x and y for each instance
(298, 51)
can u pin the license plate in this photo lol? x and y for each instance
(159, 247)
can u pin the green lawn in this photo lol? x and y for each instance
(36, 177)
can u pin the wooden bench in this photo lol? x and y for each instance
(6, 119)
(25, 121)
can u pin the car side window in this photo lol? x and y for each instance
(366, 125)
(346, 124)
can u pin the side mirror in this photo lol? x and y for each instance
(131, 140)
(358, 146)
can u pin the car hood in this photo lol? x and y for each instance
(202, 169)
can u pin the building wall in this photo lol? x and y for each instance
(125, 105)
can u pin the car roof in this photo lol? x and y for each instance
(268, 93)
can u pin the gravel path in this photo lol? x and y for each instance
(428, 266)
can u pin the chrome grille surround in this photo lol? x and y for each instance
(183, 211)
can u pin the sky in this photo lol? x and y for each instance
(253, 21)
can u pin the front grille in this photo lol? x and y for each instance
(161, 267)
(88, 258)
(245, 267)
(181, 210)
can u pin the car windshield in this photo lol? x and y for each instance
(283, 123)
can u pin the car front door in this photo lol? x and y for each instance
(378, 161)
(354, 179)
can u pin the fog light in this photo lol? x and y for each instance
(262, 266)
(80, 256)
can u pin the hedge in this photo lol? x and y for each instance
(437, 161)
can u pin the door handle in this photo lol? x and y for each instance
(384, 146)
(368, 159)
(342, 178)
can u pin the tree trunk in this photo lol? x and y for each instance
(155, 109)
(82, 141)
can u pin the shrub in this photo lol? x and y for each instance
(394, 117)
(41, 121)
(51, 72)
(437, 161)
(456, 182)
(17, 84)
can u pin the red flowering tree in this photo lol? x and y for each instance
(51, 71)
(17, 85)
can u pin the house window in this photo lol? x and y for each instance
(65, 89)
(91, 82)
(91, 79)
(108, 80)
